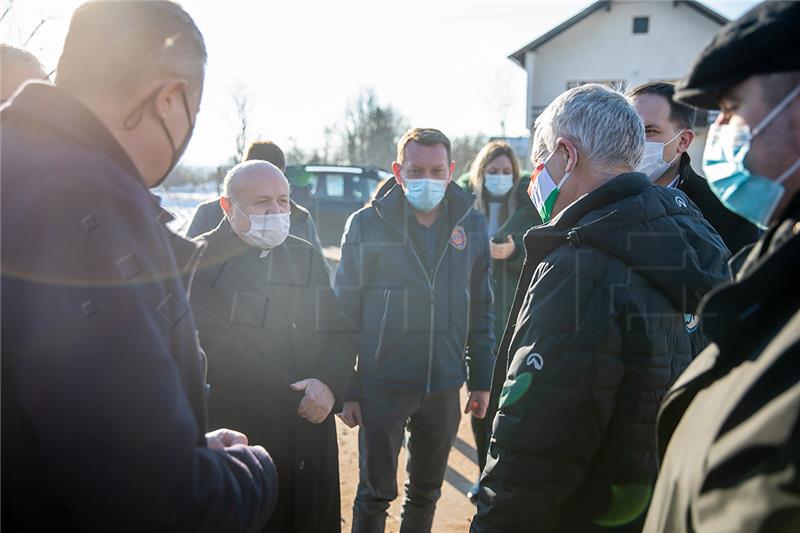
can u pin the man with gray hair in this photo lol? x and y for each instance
(280, 353)
(596, 332)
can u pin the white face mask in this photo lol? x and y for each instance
(498, 184)
(266, 231)
(653, 163)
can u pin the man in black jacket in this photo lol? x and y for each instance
(414, 276)
(280, 353)
(209, 214)
(596, 333)
(729, 429)
(668, 128)
(103, 391)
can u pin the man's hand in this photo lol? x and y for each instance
(351, 414)
(503, 250)
(477, 403)
(222, 438)
(317, 402)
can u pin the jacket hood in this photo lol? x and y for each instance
(657, 232)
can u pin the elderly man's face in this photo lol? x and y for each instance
(775, 148)
(259, 193)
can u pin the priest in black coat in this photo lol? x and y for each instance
(280, 352)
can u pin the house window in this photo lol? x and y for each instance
(641, 24)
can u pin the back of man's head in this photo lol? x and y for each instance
(16, 67)
(682, 116)
(600, 121)
(266, 151)
(115, 46)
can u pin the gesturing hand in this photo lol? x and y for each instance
(317, 401)
(222, 438)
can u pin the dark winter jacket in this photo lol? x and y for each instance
(729, 429)
(103, 390)
(209, 214)
(416, 321)
(596, 337)
(506, 272)
(266, 323)
(735, 231)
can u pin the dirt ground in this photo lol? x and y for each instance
(454, 511)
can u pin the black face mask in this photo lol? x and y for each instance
(135, 118)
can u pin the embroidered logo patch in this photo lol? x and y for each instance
(458, 238)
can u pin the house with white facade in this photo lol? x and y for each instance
(619, 42)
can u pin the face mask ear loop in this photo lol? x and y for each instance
(776, 111)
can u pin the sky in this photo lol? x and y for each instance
(441, 63)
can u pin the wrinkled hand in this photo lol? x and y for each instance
(477, 403)
(317, 401)
(222, 438)
(351, 414)
(503, 250)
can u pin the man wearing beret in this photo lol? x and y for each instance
(729, 433)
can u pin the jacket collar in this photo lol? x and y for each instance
(733, 312)
(545, 238)
(57, 110)
(391, 205)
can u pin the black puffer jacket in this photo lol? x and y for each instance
(595, 338)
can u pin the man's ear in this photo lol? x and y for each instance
(225, 204)
(452, 170)
(685, 140)
(572, 153)
(169, 96)
(396, 167)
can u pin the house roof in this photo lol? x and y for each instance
(519, 56)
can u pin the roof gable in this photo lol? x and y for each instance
(519, 56)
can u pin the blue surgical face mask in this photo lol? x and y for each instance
(498, 185)
(424, 194)
(749, 195)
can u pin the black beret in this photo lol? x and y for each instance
(762, 41)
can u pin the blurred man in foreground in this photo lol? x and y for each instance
(729, 429)
(596, 333)
(103, 392)
(16, 67)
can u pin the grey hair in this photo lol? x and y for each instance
(118, 45)
(600, 121)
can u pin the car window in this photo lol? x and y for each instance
(334, 186)
(359, 188)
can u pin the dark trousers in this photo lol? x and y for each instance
(431, 422)
(482, 431)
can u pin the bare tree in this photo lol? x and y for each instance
(500, 93)
(371, 131)
(7, 9)
(240, 100)
(464, 148)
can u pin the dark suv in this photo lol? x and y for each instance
(332, 193)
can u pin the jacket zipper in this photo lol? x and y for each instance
(432, 286)
(382, 327)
